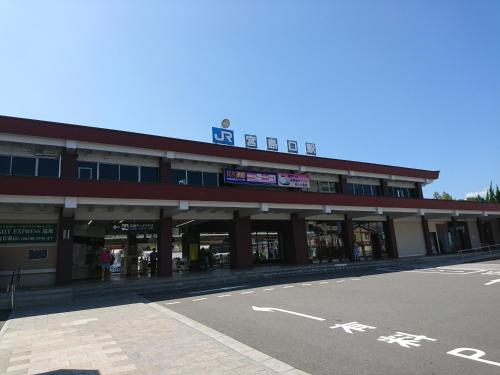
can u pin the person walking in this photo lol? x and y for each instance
(153, 259)
(104, 262)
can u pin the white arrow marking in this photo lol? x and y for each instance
(214, 290)
(493, 282)
(272, 309)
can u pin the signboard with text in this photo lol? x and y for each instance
(250, 141)
(293, 180)
(248, 177)
(272, 144)
(222, 136)
(126, 227)
(27, 233)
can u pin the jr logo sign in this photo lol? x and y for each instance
(222, 136)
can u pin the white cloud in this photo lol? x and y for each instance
(476, 193)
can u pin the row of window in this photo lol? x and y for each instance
(50, 167)
(86, 170)
(29, 166)
(195, 178)
(363, 190)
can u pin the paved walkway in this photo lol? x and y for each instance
(125, 335)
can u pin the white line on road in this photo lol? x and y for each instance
(214, 290)
(288, 286)
(224, 295)
(355, 279)
(251, 291)
(493, 282)
(268, 289)
(199, 299)
(272, 309)
(172, 303)
(306, 284)
(339, 281)
(323, 282)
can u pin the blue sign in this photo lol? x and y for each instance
(293, 147)
(222, 136)
(250, 141)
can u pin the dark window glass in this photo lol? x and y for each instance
(358, 189)
(129, 173)
(86, 170)
(374, 190)
(23, 166)
(350, 189)
(178, 176)
(194, 178)
(108, 172)
(412, 193)
(4, 164)
(210, 178)
(149, 174)
(48, 167)
(324, 187)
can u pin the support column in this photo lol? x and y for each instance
(348, 235)
(418, 191)
(343, 184)
(390, 238)
(68, 164)
(165, 246)
(427, 236)
(480, 229)
(64, 259)
(241, 243)
(384, 189)
(454, 234)
(298, 252)
(165, 167)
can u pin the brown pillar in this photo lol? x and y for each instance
(418, 191)
(165, 246)
(343, 184)
(165, 167)
(427, 236)
(298, 253)
(384, 189)
(390, 238)
(64, 259)
(348, 235)
(241, 243)
(454, 234)
(68, 164)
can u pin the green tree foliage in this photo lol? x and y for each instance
(444, 196)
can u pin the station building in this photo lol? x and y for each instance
(67, 192)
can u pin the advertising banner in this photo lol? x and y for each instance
(293, 180)
(235, 176)
(28, 233)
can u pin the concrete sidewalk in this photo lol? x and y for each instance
(124, 335)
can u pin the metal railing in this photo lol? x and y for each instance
(481, 249)
(14, 283)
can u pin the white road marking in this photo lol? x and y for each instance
(339, 281)
(355, 279)
(353, 326)
(214, 290)
(251, 291)
(172, 303)
(493, 282)
(476, 356)
(272, 309)
(288, 286)
(323, 282)
(268, 289)
(199, 299)
(224, 295)
(306, 284)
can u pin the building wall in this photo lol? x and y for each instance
(495, 228)
(474, 233)
(409, 237)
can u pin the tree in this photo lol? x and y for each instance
(490, 194)
(497, 195)
(444, 196)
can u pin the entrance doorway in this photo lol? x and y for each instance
(266, 247)
(370, 238)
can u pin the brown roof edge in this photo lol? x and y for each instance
(49, 129)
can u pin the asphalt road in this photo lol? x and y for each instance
(443, 310)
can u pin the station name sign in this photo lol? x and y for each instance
(28, 233)
(249, 177)
(224, 136)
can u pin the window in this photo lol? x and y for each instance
(363, 190)
(129, 173)
(86, 170)
(194, 178)
(210, 179)
(403, 192)
(4, 164)
(324, 186)
(23, 166)
(48, 167)
(110, 172)
(149, 174)
(178, 176)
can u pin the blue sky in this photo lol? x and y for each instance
(411, 83)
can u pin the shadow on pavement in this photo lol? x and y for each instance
(71, 372)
